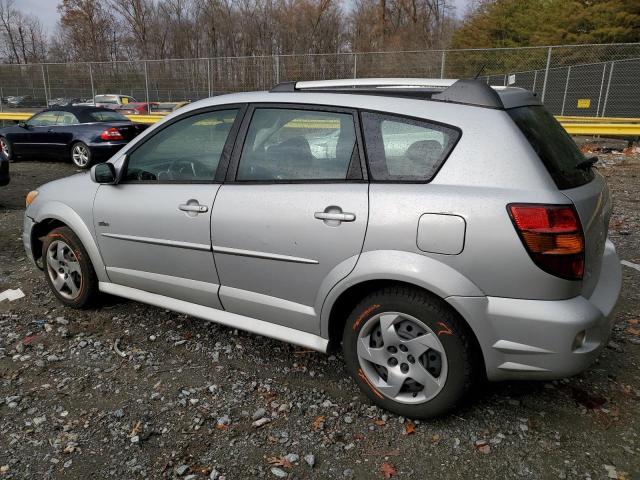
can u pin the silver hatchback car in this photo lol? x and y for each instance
(438, 231)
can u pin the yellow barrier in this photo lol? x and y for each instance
(607, 127)
(572, 119)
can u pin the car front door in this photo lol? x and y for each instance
(153, 228)
(33, 139)
(290, 220)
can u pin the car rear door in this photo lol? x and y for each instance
(153, 228)
(290, 220)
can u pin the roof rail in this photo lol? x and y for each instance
(467, 92)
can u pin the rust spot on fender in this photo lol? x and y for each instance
(445, 330)
(362, 316)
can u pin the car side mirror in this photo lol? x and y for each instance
(104, 174)
(23, 125)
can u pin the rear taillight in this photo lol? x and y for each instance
(111, 134)
(552, 235)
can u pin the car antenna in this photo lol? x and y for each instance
(480, 71)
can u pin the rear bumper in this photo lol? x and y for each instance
(538, 339)
(102, 152)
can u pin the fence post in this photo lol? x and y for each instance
(535, 79)
(93, 90)
(604, 70)
(566, 87)
(546, 74)
(276, 58)
(209, 76)
(442, 63)
(355, 65)
(44, 83)
(606, 97)
(146, 81)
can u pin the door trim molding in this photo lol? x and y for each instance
(267, 256)
(160, 241)
(253, 325)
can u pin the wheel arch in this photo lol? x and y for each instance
(379, 269)
(56, 214)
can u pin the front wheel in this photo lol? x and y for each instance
(81, 155)
(68, 270)
(5, 148)
(409, 352)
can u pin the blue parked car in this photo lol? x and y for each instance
(84, 135)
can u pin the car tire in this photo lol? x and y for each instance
(81, 155)
(5, 149)
(413, 336)
(68, 269)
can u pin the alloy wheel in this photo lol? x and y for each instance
(80, 155)
(402, 358)
(4, 147)
(64, 270)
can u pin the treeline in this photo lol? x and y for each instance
(105, 30)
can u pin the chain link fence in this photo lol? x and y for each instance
(586, 80)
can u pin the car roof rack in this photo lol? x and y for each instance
(467, 92)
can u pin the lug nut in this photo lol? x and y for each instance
(393, 362)
(403, 348)
(410, 359)
(392, 349)
(404, 368)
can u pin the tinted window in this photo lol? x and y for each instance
(401, 149)
(44, 119)
(108, 116)
(283, 144)
(554, 146)
(188, 150)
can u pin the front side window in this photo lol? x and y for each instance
(403, 149)
(186, 151)
(283, 144)
(44, 119)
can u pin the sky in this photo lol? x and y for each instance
(46, 10)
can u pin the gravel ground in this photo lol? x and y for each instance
(132, 391)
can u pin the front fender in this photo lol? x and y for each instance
(420, 270)
(68, 216)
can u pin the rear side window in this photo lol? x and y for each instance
(107, 116)
(402, 149)
(557, 150)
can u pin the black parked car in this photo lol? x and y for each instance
(4, 170)
(85, 135)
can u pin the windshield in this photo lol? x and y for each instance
(557, 150)
(105, 99)
(109, 116)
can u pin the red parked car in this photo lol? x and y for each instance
(137, 108)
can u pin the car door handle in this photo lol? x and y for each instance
(194, 208)
(337, 217)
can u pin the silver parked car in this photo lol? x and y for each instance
(438, 231)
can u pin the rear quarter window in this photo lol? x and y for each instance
(108, 116)
(555, 147)
(403, 149)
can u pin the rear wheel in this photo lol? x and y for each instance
(409, 352)
(68, 270)
(5, 148)
(81, 155)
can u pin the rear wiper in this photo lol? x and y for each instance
(587, 163)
